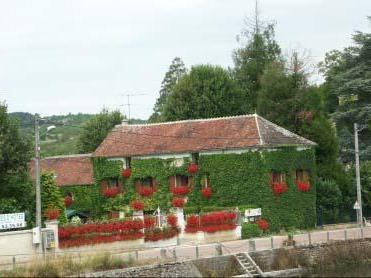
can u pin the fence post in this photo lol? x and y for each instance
(345, 234)
(219, 249)
(272, 242)
(174, 254)
(13, 262)
(136, 255)
(328, 236)
(163, 253)
(197, 252)
(251, 245)
(362, 233)
(309, 238)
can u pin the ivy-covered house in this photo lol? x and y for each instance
(242, 161)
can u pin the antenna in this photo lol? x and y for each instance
(128, 104)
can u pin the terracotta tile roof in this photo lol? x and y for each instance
(69, 169)
(239, 132)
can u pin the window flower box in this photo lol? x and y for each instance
(192, 168)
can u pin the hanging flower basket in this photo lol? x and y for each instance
(178, 202)
(68, 201)
(137, 205)
(263, 224)
(146, 191)
(111, 192)
(279, 188)
(206, 192)
(52, 213)
(180, 190)
(192, 168)
(126, 173)
(303, 186)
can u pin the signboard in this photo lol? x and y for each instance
(253, 212)
(356, 205)
(12, 221)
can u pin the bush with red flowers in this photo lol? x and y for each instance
(192, 168)
(180, 190)
(172, 220)
(126, 173)
(303, 186)
(146, 191)
(157, 234)
(52, 213)
(206, 192)
(193, 224)
(137, 205)
(211, 222)
(263, 224)
(149, 222)
(279, 188)
(95, 233)
(68, 201)
(178, 202)
(111, 192)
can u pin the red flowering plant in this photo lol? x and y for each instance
(303, 186)
(218, 221)
(193, 224)
(263, 224)
(172, 220)
(157, 234)
(137, 205)
(146, 191)
(180, 190)
(206, 192)
(52, 213)
(149, 222)
(192, 168)
(279, 188)
(126, 173)
(178, 202)
(68, 201)
(111, 192)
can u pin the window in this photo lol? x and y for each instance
(302, 176)
(205, 182)
(145, 182)
(180, 180)
(278, 177)
(113, 182)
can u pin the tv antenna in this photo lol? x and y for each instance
(128, 104)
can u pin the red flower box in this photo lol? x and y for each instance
(206, 192)
(149, 222)
(178, 202)
(303, 186)
(68, 201)
(111, 192)
(192, 168)
(211, 222)
(126, 173)
(52, 213)
(263, 224)
(172, 220)
(137, 205)
(180, 190)
(146, 191)
(279, 188)
(157, 234)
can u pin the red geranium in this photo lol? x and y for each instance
(68, 201)
(192, 168)
(263, 224)
(160, 234)
(126, 173)
(279, 188)
(206, 192)
(180, 190)
(192, 225)
(178, 202)
(149, 222)
(111, 192)
(137, 205)
(303, 186)
(52, 213)
(172, 220)
(146, 191)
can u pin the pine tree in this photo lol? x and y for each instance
(176, 71)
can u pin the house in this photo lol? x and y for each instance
(242, 161)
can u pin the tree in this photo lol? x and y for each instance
(250, 61)
(15, 153)
(96, 129)
(206, 91)
(176, 71)
(348, 91)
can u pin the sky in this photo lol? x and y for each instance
(77, 56)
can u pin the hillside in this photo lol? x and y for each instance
(63, 138)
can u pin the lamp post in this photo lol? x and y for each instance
(358, 205)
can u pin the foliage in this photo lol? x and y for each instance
(156, 234)
(205, 92)
(96, 129)
(9, 205)
(250, 230)
(175, 72)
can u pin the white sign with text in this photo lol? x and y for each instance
(12, 221)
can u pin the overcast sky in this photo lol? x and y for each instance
(78, 56)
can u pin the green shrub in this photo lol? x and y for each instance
(250, 230)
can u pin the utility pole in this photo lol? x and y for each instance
(358, 177)
(37, 170)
